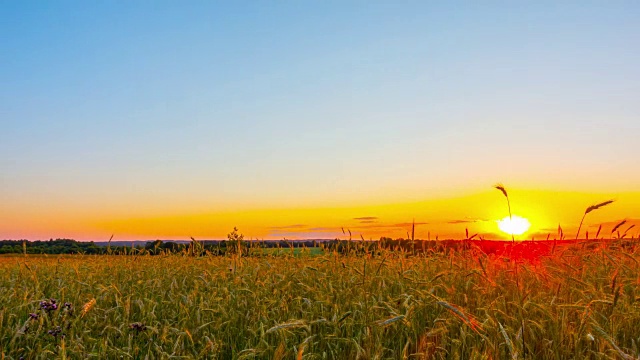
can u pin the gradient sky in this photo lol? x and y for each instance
(170, 119)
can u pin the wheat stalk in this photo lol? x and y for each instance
(626, 231)
(289, 325)
(590, 209)
(618, 226)
(512, 351)
(504, 192)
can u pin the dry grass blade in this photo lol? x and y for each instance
(514, 354)
(390, 321)
(280, 352)
(467, 319)
(618, 226)
(302, 346)
(611, 342)
(413, 229)
(629, 228)
(109, 244)
(289, 325)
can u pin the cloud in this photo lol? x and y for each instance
(325, 233)
(465, 221)
(366, 218)
(295, 226)
(459, 221)
(409, 224)
(389, 226)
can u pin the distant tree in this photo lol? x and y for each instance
(172, 246)
(234, 242)
(154, 246)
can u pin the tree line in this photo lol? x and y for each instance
(51, 246)
(234, 244)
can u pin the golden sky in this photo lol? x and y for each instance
(445, 217)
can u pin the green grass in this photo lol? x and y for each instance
(314, 251)
(576, 304)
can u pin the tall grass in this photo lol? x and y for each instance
(502, 189)
(590, 209)
(388, 305)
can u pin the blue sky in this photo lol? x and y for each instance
(154, 106)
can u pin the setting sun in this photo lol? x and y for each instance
(515, 225)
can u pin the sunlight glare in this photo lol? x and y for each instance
(514, 226)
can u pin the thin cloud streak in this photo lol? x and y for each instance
(295, 226)
(466, 221)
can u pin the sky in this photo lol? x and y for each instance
(164, 119)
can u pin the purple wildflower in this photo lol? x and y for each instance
(56, 331)
(67, 306)
(48, 305)
(33, 316)
(137, 326)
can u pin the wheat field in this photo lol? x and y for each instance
(580, 302)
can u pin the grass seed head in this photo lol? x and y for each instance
(502, 189)
(88, 306)
(618, 225)
(597, 206)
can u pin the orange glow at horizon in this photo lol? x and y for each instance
(444, 218)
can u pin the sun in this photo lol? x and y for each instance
(515, 225)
